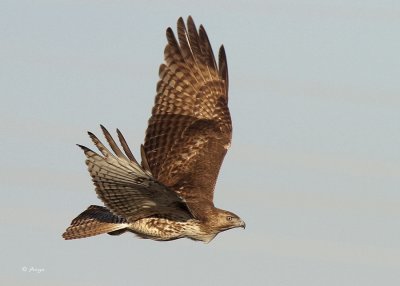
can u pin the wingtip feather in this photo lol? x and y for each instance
(126, 148)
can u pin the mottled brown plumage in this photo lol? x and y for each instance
(170, 194)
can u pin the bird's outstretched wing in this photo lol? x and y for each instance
(125, 188)
(190, 127)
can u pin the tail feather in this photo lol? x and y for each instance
(93, 221)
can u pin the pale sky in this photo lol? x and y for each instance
(314, 167)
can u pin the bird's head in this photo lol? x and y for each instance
(225, 220)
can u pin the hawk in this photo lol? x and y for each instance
(169, 195)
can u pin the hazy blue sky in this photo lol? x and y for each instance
(314, 167)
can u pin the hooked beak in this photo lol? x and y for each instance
(242, 224)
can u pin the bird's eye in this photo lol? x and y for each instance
(229, 218)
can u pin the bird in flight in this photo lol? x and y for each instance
(169, 195)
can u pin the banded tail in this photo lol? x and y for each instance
(93, 221)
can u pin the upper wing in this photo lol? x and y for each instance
(190, 127)
(124, 186)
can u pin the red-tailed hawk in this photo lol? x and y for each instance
(170, 194)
